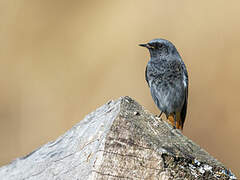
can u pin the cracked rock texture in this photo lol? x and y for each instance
(120, 140)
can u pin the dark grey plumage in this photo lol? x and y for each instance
(167, 78)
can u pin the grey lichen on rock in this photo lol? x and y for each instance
(120, 140)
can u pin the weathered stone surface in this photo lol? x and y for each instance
(120, 140)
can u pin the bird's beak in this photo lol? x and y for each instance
(145, 45)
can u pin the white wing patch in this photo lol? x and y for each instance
(185, 81)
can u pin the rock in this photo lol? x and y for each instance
(120, 140)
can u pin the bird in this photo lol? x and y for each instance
(167, 78)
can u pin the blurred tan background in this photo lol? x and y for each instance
(61, 59)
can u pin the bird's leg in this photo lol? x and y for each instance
(160, 114)
(175, 120)
(159, 117)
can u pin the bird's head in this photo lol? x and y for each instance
(160, 47)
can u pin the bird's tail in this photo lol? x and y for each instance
(179, 122)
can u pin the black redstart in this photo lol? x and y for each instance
(167, 77)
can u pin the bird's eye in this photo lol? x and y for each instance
(160, 45)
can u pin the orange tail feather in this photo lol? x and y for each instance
(179, 124)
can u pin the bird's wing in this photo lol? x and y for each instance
(184, 108)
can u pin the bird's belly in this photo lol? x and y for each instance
(168, 97)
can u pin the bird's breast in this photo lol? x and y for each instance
(163, 72)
